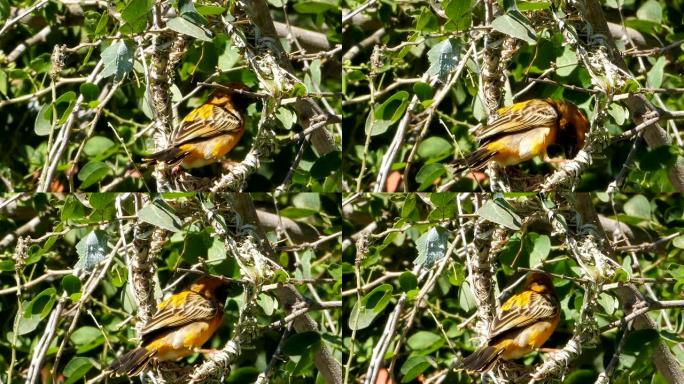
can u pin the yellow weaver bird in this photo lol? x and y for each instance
(182, 324)
(525, 130)
(208, 132)
(523, 324)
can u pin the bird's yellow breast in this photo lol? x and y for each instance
(210, 151)
(516, 148)
(183, 341)
(527, 339)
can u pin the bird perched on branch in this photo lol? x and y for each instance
(525, 130)
(208, 132)
(524, 322)
(182, 324)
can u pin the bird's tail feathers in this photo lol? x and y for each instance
(481, 360)
(171, 156)
(475, 160)
(132, 363)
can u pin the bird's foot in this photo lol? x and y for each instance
(177, 170)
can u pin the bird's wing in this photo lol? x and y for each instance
(180, 309)
(205, 122)
(519, 117)
(522, 310)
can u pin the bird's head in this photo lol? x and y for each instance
(211, 287)
(539, 282)
(573, 128)
(237, 100)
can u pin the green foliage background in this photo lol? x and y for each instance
(105, 326)
(416, 41)
(442, 329)
(25, 124)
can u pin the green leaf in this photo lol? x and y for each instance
(651, 11)
(456, 274)
(442, 199)
(4, 10)
(388, 113)
(6, 265)
(678, 242)
(102, 200)
(43, 124)
(431, 246)
(315, 7)
(229, 54)
(428, 173)
(41, 304)
(159, 214)
(72, 209)
(638, 206)
(118, 60)
(423, 340)
(326, 165)
(657, 159)
(101, 27)
(299, 343)
(297, 213)
(209, 9)
(513, 27)
(92, 173)
(187, 27)
(533, 5)
(41, 64)
(4, 80)
(27, 324)
(68, 98)
(217, 251)
(369, 307)
(35, 310)
(77, 368)
(307, 200)
(189, 12)
(97, 145)
(675, 270)
(412, 367)
(618, 112)
(639, 340)
(85, 335)
(567, 62)
(466, 300)
(119, 276)
(89, 91)
(315, 79)
(135, 14)
(498, 213)
(435, 148)
(459, 13)
(267, 303)
(580, 376)
(540, 250)
(627, 266)
(608, 302)
(423, 90)
(409, 205)
(654, 78)
(286, 117)
(72, 285)
(408, 281)
(427, 21)
(91, 250)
